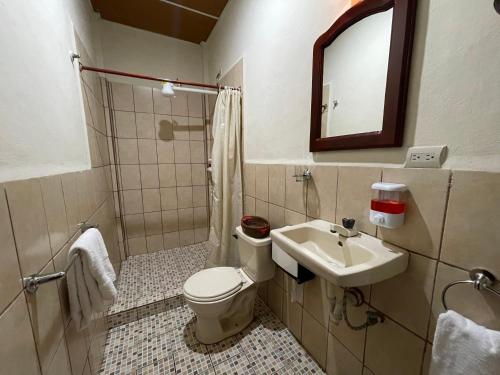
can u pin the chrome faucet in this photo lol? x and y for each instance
(346, 229)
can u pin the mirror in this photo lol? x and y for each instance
(360, 77)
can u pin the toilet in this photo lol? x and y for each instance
(223, 298)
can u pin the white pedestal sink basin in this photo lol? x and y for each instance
(346, 262)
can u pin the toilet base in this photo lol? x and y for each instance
(210, 330)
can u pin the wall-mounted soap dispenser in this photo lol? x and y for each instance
(388, 204)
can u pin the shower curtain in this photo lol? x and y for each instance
(226, 180)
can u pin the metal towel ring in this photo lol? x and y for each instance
(480, 278)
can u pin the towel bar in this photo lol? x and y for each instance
(481, 280)
(32, 282)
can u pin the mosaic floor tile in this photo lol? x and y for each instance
(192, 362)
(165, 366)
(224, 350)
(237, 365)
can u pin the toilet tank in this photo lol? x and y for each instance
(255, 256)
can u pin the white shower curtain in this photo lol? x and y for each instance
(226, 180)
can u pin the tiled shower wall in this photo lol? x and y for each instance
(38, 223)
(161, 162)
(451, 226)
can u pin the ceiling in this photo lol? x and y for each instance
(190, 20)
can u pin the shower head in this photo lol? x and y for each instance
(168, 89)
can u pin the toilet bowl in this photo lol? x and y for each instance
(223, 298)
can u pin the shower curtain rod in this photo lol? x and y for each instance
(150, 78)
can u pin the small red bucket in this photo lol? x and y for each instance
(255, 226)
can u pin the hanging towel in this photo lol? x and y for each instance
(90, 280)
(464, 347)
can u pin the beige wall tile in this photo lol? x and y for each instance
(17, 352)
(165, 150)
(407, 297)
(292, 316)
(277, 184)
(341, 361)
(353, 340)
(199, 196)
(481, 307)
(196, 128)
(145, 123)
(60, 262)
(471, 236)
(137, 246)
(276, 216)
(425, 209)
(60, 363)
(69, 184)
(367, 371)
(249, 179)
(314, 338)
(168, 198)
(275, 299)
(200, 235)
(135, 225)
(295, 191)
(151, 200)
(130, 177)
(123, 97)
(197, 151)
(147, 151)
(354, 195)
(427, 359)
(262, 182)
(180, 104)
(143, 99)
(186, 219)
(293, 218)
(127, 151)
(170, 240)
(46, 319)
(149, 176)
(161, 103)
(183, 174)
(167, 175)
(392, 350)
(154, 242)
(77, 348)
(262, 209)
(170, 220)
(186, 237)
(195, 105)
(249, 205)
(30, 227)
(125, 124)
(182, 154)
(164, 127)
(153, 223)
(132, 201)
(185, 197)
(198, 173)
(200, 217)
(10, 273)
(315, 300)
(322, 193)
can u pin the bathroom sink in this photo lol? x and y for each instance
(346, 262)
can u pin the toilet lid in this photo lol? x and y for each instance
(213, 284)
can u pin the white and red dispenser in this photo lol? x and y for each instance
(388, 204)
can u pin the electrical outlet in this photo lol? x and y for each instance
(425, 157)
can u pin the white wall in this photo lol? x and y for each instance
(42, 129)
(454, 96)
(137, 51)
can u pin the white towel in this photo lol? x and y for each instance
(464, 347)
(90, 280)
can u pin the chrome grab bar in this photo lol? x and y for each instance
(32, 282)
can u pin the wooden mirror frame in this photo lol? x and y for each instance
(403, 26)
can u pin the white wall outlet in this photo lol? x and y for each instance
(425, 156)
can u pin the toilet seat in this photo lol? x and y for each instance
(213, 284)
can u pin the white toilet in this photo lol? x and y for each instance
(223, 297)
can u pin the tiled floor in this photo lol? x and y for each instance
(162, 341)
(149, 278)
